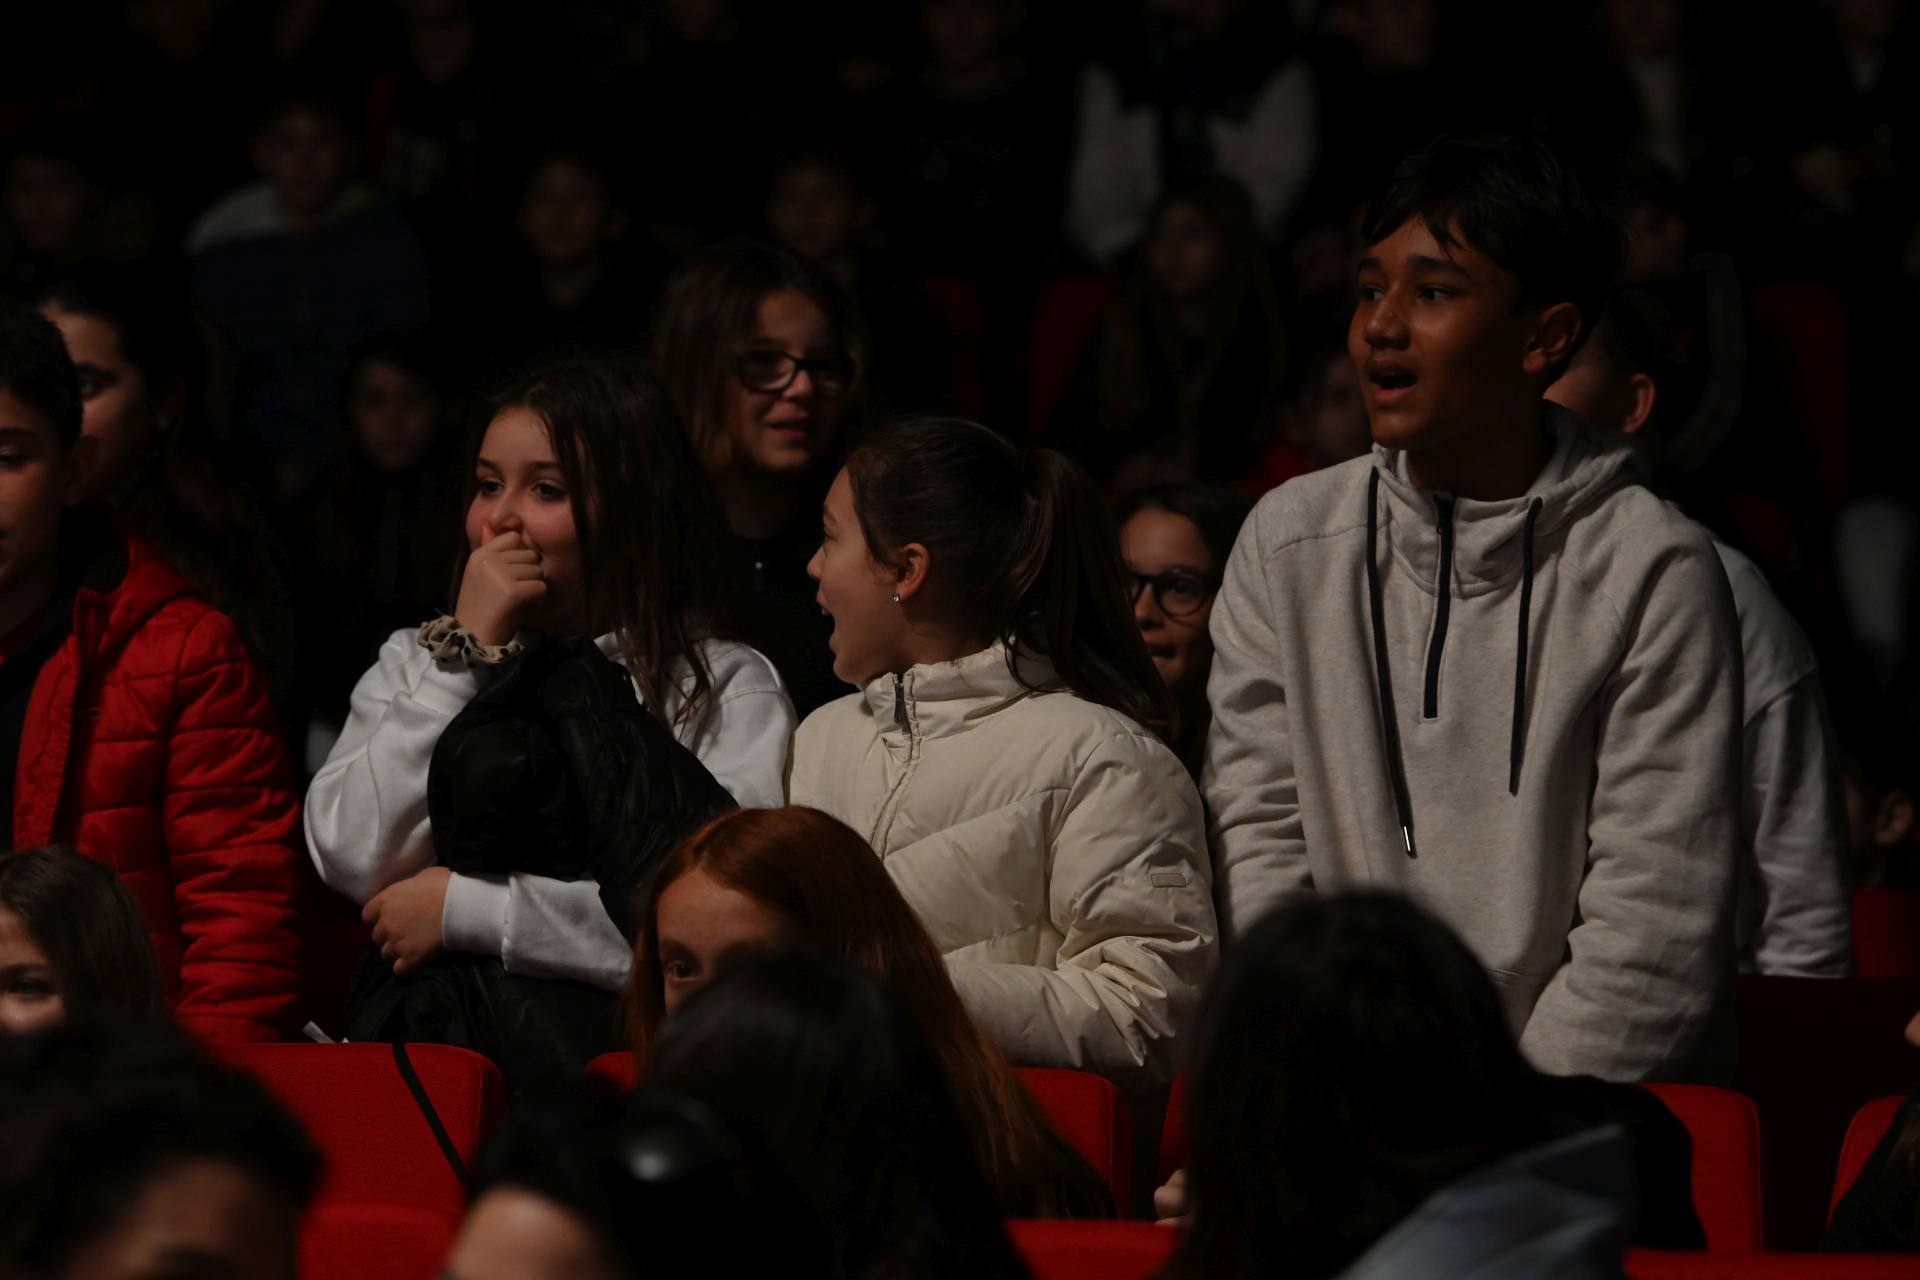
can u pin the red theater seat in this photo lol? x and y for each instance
(375, 1242)
(378, 1145)
(1090, 1113)
(619, 1069)
(1066, 312)
(1886, 933)
(1725, 1128)
(1661, 1264)
(1063, 1250)
(1869, 1125)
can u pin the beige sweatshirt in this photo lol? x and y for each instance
(1559, 741)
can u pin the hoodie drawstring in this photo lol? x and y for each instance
(1383, 684)
(1520, 651)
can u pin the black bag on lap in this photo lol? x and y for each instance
(554, 769)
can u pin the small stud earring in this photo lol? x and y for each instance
(896, 597)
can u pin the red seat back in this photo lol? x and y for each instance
(1886, 933)
(1869, 1125)
(342, 1241)
(1173, 1134)
(1066, 311)
(1089, 1113)
(1063, 1250)
(619, 1069)
(1663, 1264)
(1812, 1052)
(1725, 1128)
(959, 303)
(358, 1110)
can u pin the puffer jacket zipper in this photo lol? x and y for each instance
(890, 808)
(1443, 606)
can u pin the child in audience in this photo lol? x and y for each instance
(127, 1153)
(133, 726)
(1523, 709)
(72, 943)
(1359, 1108)
(1001, 755)
(766, 879)
(289, 276)
(1881, 772)
(1793, 881)
(586, 517)
(763, 357)
(156, 466)
(830, 1072)
(1175, 540)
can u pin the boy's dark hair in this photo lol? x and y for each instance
(1217, 510)
(93, 1111)
(1516, 202)
(88, 925)
(36, 369)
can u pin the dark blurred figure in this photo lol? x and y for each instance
(290, 274)
(765, 357)
(1882, 774)
(1323, 421)
(64, 205)
(378, 542)
(426, 113)
(129, 1153)
(1182, 378)
(134, 347)
(1199, 87)
(828, 1069)
(820, 209)
(593, 1187)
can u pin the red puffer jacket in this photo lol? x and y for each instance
(150, 744)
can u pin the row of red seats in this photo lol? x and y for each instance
(382, 1154)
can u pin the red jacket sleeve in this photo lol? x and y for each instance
(229, 815)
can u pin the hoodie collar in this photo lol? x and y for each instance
(935, 699)
(1583, 467)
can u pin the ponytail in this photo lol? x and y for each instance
(1025, 539)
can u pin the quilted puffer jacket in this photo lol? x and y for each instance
(1053, 848)
(150, 744)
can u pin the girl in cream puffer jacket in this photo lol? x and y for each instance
(997, 757)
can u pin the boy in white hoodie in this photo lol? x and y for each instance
(1484, 665)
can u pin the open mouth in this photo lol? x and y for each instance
(1160, 651)
(1391, 383)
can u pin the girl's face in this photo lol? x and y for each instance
(568, 214)
(701, 926)
(1184, 252)
(1154, 543)
(29, 989)
(786, 430)
(521, 488)
(869, 629)
(118, 409)
(394, 413)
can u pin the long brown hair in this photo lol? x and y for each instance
(707, 317)
(1025, 538)
(86, 922)
(824, 880)
(650, 528)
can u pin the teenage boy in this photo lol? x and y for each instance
(133, 725)
(1483, 665)
(1793, 915)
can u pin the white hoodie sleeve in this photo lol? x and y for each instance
(1114, 176)
(1129, 891)
(1649, 966)
(373, 809)
(1796, 825)
(1253, 805)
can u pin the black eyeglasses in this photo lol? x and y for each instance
(1180, 593)
(770, 369)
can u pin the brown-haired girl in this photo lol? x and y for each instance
(72, 943)
(767, 879)
(763, 357)
(1003, 755)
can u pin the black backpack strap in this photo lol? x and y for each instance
(420, 1098)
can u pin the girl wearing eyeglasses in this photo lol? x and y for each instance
(1174, 540)
(762, 356)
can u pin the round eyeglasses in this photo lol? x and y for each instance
(770, 369)
(1179, 593)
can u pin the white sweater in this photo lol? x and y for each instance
(366, 811)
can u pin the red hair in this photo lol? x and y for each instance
(820, 877)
